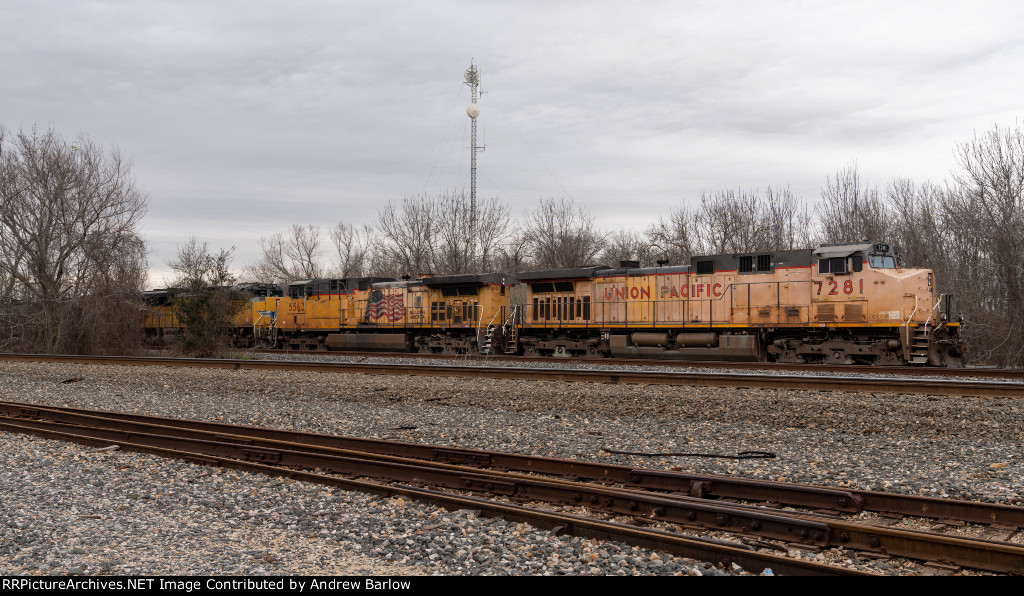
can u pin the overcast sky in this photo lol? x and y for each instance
(243, 118)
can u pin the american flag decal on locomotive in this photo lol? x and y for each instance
(380, 305)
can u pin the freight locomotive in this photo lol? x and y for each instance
(840, 303)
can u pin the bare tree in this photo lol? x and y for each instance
(851, 212)
(674, 239)
(462, 245)
(512, 256)
(204, 300)
(353, 249)
(732, 221)
(990, 195)
(454, 232)
(405, 235)
(195, 263)
(727, 221)
(787, 223)
(916, 226)
(288, 257)
(624, 245)
(560, 233)
(438, 235)
(72, 260)
(417, 235)
(492, 233)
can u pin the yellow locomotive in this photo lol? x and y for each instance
(160, 321)
(452, 314)
(844, 303)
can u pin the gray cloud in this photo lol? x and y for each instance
(246, 117)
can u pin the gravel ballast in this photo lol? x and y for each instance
(67, 509)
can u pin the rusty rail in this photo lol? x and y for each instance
(808, 529)
(924, 371)
(846, 500)
(799, 382)
(559, 523)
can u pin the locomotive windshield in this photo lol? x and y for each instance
(882, 261)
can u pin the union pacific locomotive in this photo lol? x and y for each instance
(839, 303)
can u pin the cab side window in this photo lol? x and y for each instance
(832, 265)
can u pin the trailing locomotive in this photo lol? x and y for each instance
(843, 303)
(160, 321)
(442, 314)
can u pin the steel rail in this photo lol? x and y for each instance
(844, 500)
(696, 548)
(927, 371)
(700, 514)
(807, 529)
(796, 382)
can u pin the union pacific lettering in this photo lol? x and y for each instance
(624, 293)
(707, 290)
(692, 291)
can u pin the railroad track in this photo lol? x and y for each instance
(654, 497)
(921, 371)
(979, 388)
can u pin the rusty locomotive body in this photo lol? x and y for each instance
(848, 303)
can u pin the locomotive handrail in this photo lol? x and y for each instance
(263, 315)
(912, 313)
(536, 314)
(932, 311)
(688, 305)
(511, 319)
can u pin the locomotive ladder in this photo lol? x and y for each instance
(268, 329)
(484, 347)
(919, 345)
(916, 339)
(509, 334)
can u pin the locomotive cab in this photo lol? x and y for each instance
(852, 258)
(159, 320)
(865, 282)
(262, 298)
(258, 315)
(883, 256)
(877, 310)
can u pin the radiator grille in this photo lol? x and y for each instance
(853, 313)
(826, 312)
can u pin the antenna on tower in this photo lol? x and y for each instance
(472, 76)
